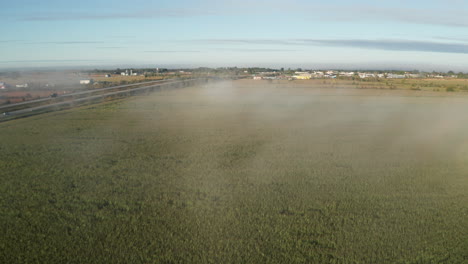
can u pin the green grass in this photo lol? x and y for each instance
(237, 173)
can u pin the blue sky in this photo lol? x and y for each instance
(427, 35)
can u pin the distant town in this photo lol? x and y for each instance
(104, 78)
(20, 86)
(300, 74)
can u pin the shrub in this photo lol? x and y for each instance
(450, 89)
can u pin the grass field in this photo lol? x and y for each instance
(434, 85)
(240, 172)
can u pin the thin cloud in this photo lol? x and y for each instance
(243, 41)
(120, 37)
(171, 51)
(259, 50)
(449, 16)
(76, 42)
(11, 41)
(65, 42)
(109, 47)
(452, 39)
(390, 45)
(393, 45)
(46, 61)
(176, 12)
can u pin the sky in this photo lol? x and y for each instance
(362, 34)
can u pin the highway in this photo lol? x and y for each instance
(5, 108)
(94, 98)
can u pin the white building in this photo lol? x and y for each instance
(396, 76)
(86, 81)
(128, 73)
(22, 85)
(302, 76)
(347, 74)
(412, 75)
(364, 75)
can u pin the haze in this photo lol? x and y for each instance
(234, 132)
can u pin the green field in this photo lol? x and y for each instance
(240, 172)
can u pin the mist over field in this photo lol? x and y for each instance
(240, 172)
(202, 131)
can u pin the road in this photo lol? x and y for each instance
(71, 95)
(82, 101)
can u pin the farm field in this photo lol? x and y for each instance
(432, 85)
(240, 172)
(14, 95)
(21, 96)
